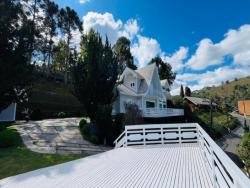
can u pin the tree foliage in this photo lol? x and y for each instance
(123, 54)
(182, 91)
(244, 150)
(165, 70)
(187, 91)
(68, 21)
(15, 51)
(49, 22)
(60, 54)
(95, 74)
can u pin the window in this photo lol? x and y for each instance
(164, 105)
(132, 84)
(150, 104)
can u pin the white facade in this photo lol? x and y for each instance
(144, 88)
(8, 114)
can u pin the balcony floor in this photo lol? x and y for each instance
(168, 166)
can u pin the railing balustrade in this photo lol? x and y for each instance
(223, 170)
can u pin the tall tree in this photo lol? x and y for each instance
(123, 54)
(187, 91)
(49, 29)
(34, 11)
(60, 54)
(165, 70)
(15, 50)
(181, 91)
(95, 75)
(68, 21)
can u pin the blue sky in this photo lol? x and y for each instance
(206, 42)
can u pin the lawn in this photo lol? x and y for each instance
(18, 159)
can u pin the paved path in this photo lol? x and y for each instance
(61, 136)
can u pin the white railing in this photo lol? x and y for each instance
(120, 141)
(161, 112)
(223, 170)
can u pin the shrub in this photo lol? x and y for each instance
(85, 129)
(61, 114)
(93, 139)
(9, 137)
(82, 123)
(133, 114)
(244, 150)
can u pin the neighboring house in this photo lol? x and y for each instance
(244, 107)
(144, 88)
(8, 114)
(196, 103)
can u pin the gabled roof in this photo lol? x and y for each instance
(199, 101)
(164, 83)
(146, 72)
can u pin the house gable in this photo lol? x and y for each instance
(155, 87)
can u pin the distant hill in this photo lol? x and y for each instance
(225, 90)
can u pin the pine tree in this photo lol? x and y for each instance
(15, 53)
(95, 74)
(123, 54)
(68, 21)
(187, 91)
(165, 70)
(181, 91)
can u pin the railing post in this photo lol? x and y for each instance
(162, 139)
(179, 132)
(144, 139)
(126, 137)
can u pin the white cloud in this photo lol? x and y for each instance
(84, 1)
(105, 24)
(142, 48)
(209, 78)
(131, 29)
(145, 50)
(236, 43)
(176, 59)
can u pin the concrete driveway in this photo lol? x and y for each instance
(61, 136)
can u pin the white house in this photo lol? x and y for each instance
(144, 88)
(9, 113)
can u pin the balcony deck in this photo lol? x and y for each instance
(163, 155)
(170, 166)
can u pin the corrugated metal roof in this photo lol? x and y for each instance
(199, 101)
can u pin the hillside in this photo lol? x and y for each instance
(225, 90)
(48, 98)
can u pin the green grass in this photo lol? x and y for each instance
(245, 138)
(18, 159)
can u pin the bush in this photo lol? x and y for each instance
(85, 129)
(61, 115)
(244, 150)
(133, 115)
(93, 139)
(82, 123)
(9, 137)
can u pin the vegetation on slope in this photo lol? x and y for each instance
(244, 150)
